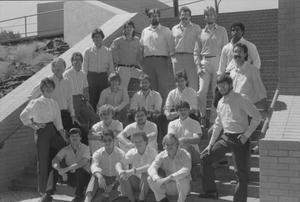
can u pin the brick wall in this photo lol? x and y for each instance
(289, 44)
(279, 170)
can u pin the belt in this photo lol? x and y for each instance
(230, 136)
(97, 72)
(157, 56)
(184, 53)
(123, 65)
(208, 56)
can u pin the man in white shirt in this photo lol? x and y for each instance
(141, 124)
(187, 130)
(232, 116)
(169, 173)
(186, 34)
(138, 159)
(157, 46)
(103, 184)
(237, 32)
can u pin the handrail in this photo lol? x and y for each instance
(270, 113)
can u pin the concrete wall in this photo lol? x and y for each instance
(78, 26)
(280, 149)
(50, 23)
(19, 150)
(289, 44)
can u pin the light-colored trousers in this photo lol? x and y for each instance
(179, 187)
(185, 62)
(126, 73)
(208, 79)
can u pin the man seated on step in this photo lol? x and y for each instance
(107, 122)
(72, 164)
(182, 92)
(151, 100)
(233, 111)
(187, 130)
(137, 161)
(169, 174)
(141, 124)
(104, 182)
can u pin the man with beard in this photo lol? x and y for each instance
(152, 102)
(207, 54)
(232, 116)
(97, 64)
(186, 35)
(141, 124)
(126, 54)
(237, 33)
(157, 46)
(169, 173)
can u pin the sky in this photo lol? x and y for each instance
(13, 9)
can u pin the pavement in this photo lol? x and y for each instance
(26, 196)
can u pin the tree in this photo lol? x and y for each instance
(7, 35)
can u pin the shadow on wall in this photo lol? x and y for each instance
(280, 106)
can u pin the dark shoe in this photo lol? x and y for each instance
(46, 198)
(78, 199)
(213, 195)
(164, 200)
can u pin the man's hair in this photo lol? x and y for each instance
(98, 31)
(169, 136)
(106, 108)
(55, 61)
(145, 76)
(129, 23)
(238, 24)
(180, 75)
(108, 133)
(244, 47)
(74, 131)
(46, 82)
(181, 105)
(140, 134)
(224, 78)
(114, 76)
(75, 54)
(140, 109)
(185, 9)
(150, 12)
(210, 9)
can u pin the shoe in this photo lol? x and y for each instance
(212, 195)
(78, 199)
(164, 200)
(46, 198)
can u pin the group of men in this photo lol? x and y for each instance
(126, 161)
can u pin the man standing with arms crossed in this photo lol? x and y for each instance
(186, 35)
(157, 46)
(232, 116)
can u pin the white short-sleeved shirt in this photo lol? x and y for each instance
(136, 160)
(116, 126)
(149, 127)
(70, 157)
(185, 128)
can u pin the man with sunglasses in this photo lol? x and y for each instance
(104, 183)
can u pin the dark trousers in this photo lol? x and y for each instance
(241, 155)
(49, 142)
(68, 124)
(97, 83)
(79, 180)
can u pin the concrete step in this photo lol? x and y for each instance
(227, 174)
(254, 160)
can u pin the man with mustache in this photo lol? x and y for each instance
(186, 35)
(207, 54)
(237, 33)
(157, 45)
